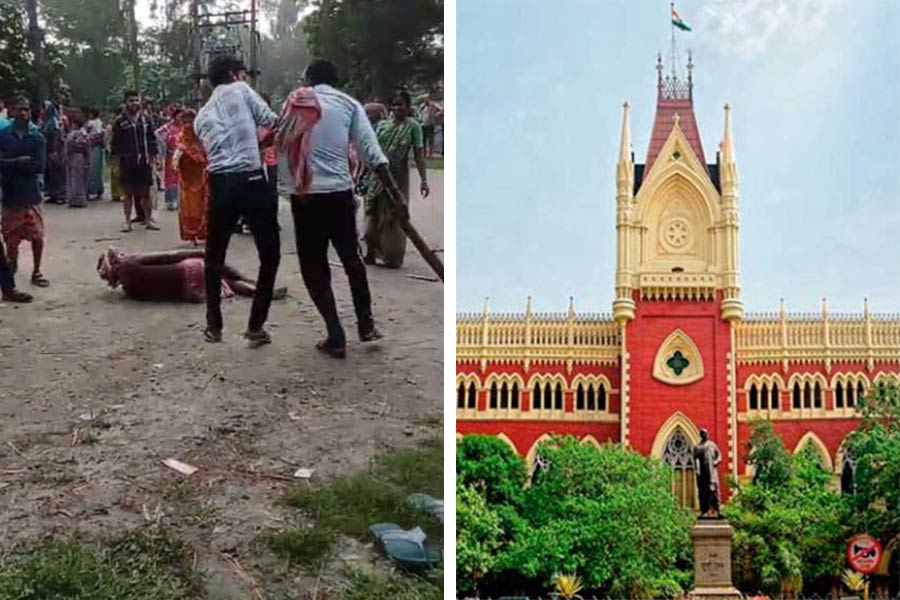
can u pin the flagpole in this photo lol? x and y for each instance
(672, 25)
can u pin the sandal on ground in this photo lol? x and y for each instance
(332, 349)
(39, 280)
(151, 226)
(279, 293)
(17, 297)
(370, 335)
(258, 338)
(213, 336)
(126, 228)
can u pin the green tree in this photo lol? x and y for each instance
(875, 445)
(478, 533)
(15, 63)
(489, 464)
(790, 524)
(608, 515)
(379, 45)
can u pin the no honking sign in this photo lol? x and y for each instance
(864, 553)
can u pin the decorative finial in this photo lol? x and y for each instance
(659, 71)
(528, 307)
(487, 302)
(727, 144)
(676, 119)
(824, 307)
(690, 67)
(866, 306)
(782, 309)
(625, 142)
(571, 306)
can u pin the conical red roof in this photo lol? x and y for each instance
(664, 121)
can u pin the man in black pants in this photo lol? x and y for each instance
(327, 212)
(227, 127)
(8, 282)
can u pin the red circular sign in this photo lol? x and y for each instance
(864, 553)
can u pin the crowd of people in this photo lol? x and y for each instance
(218, 167)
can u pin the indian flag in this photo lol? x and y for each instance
(678, 22)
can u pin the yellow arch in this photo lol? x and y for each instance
(509, 442)
(532, 453)
(589, 439)
(509, 378)
(467, 378)
(596, 379)
(678, 419)
(544, 378)
(811, 438)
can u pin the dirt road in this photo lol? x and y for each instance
(98, 390)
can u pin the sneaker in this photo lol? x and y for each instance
(332, 348)
(370, 334)
(213, 336)
(258, 338)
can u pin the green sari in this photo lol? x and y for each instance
(384, 237)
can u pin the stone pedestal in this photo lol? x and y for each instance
(712, 561)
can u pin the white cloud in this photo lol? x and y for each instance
(749, 27)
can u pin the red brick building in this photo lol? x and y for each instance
(678, 353)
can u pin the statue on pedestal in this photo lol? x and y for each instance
(706, 461)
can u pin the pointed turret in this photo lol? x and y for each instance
(674, 95)
(625, 166)
(728, 175)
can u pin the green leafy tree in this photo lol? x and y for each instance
(379, 45)
(15, 57)
(790, 524)
(489, 464)
(875, 445)
(608, 515)
(478, 534)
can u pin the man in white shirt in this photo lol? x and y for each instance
(227, 127)
(326, 213)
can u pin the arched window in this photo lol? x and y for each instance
(461, 395)
(591, 398)
(860, 391)
(548, 396)
(764, 397)
(473, 397)
(579, 397)
(848, 473)
(493, 401)
(839, 395)
(817, 395)
(536, 397)
(754, 399)
(558, 397)
(515, 396)
(807, 395)
(504, 396)
(796, 395)
(678, 454)
(601, 398)
(775, 396)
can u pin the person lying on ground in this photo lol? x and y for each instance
(170, 276)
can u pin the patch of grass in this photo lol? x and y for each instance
(350, 504)
(369, 586)
(304, 547)
(204, 515)
(146, 564)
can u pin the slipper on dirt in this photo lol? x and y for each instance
(39, 280)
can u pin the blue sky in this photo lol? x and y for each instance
(814, 87)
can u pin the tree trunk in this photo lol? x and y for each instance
(133, 54)
(35, 41)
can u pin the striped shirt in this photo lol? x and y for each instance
(227, 125)
(343, 122)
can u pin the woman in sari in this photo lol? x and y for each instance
(78, 158)
(168, 136)
(384, 237)
(190, 161)
(55, 172)
(98, 147)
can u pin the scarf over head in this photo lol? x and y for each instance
(300, 113)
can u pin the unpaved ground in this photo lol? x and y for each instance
(97, 390)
